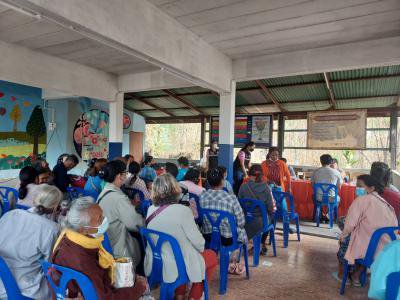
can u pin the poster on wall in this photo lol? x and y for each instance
(91, 134)
(23, 128)
(126, 121)
(256, 128)
(337, 129)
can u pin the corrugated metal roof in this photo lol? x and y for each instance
(297, 93)
(362, 73)
(366, 88)
(353, 89)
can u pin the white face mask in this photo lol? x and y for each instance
(101, 229)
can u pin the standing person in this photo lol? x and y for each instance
(258, 189)
(167, 216)
(120, 212)
(27, 237)
(183, 167)
(212, 155)
(94, 183)
(60, 171)
(381, 172)
(241, 165)
(276, 171)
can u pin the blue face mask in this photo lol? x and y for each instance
(100, 229)
(360, 191)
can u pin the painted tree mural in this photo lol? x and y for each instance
(16, 116)
(36, 127)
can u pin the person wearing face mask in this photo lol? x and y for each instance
(366, 214)
(27, 236)
(79, 247)
(241, 165)
(276, 171)
(212, 155)
(121, 213)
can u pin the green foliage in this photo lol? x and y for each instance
(350, 157)
(36, 126)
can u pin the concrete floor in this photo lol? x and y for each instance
(302, 271)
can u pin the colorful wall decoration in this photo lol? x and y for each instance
(22, 125)
(256, 128)
(127, 121)
(91, 134)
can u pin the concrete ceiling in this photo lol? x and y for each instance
(50, 38)
(248, 28)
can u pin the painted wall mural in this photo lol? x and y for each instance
(91, 134)
(22, 125)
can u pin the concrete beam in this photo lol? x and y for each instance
(24, 66)
(156, 80)
(364, 54)
(139, 28)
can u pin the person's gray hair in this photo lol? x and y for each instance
(77, 215)
(47, 196)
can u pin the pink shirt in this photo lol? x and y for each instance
(192, 187)
(367, 214)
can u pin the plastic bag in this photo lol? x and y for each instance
(124, 275)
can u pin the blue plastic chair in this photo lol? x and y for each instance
(155, 240)
(5, 201)
(392, 286)
(369, 255)
(107, 245)
(76, 192)
(282, 213)
(249, 206)
(12, 290)
(196, 198)
(215, 217)
(332, 206)
(65, 275)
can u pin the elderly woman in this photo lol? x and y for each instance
(120, 212)
(366, 214)
(79, 247)
(276, 171)
(167, 216)
(31, 237)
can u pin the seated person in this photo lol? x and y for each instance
(94, 183)
(148, 173)
(31, 237)
(366, 214)
(291, 170)
(28, 177)
(120, 212)
(381, 172)
(129, 159)
(217, 198)
(183, 167)
(258, 189)
(326, 174)
(335, 165)
(167, 216)
(171, 168)
(135, 182)
(60, 171)
(79, 247)
(227, 185)
(191, 184)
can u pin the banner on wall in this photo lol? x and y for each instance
(95, 146)
(337, 129)
(256, 128)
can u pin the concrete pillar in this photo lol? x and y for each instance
(393, 139)
(116, 126)
(226, 129)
